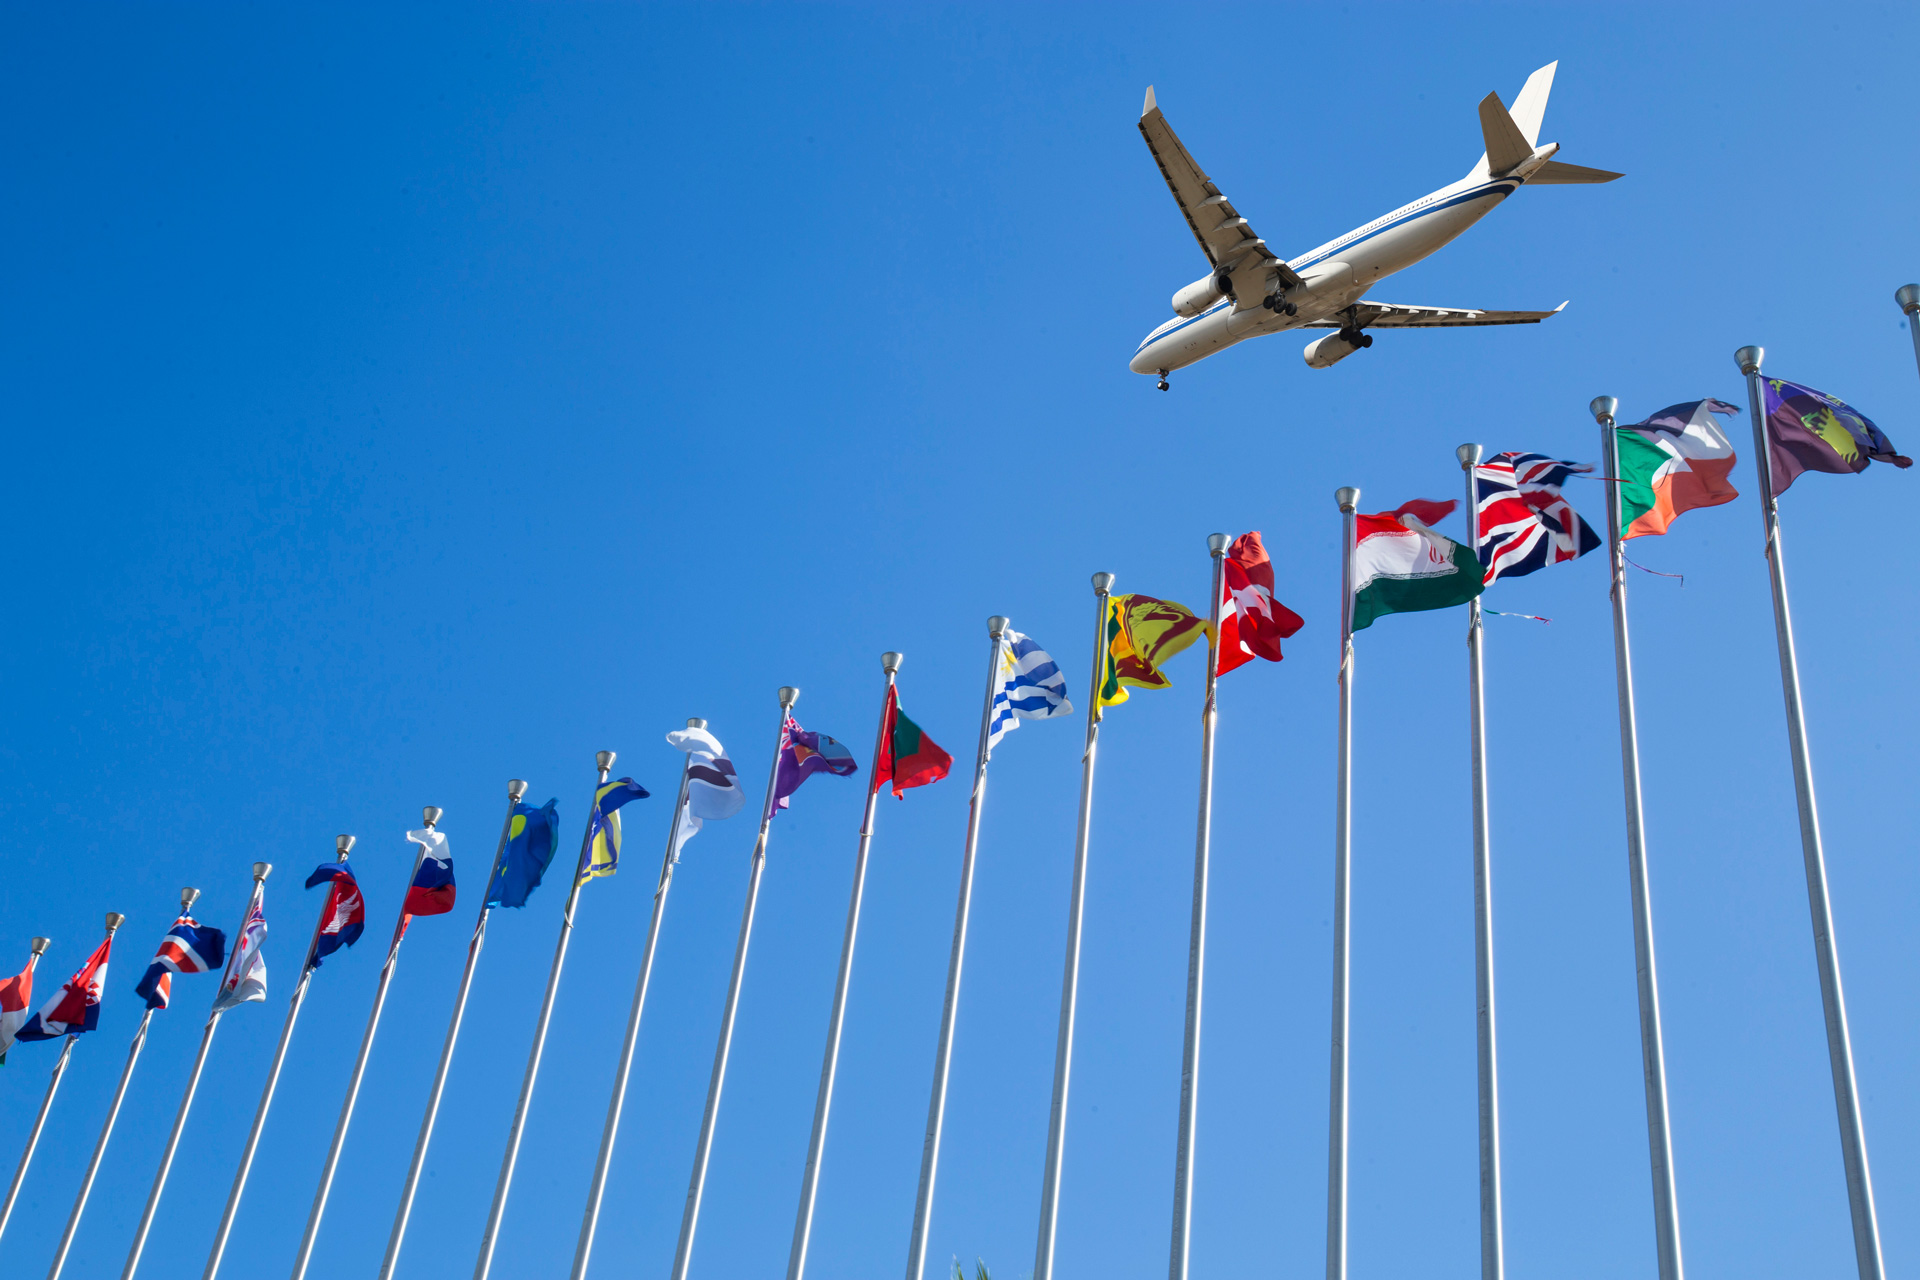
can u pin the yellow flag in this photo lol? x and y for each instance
(1142, 633)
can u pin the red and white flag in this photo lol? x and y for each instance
(1252, 622)
(16, 995)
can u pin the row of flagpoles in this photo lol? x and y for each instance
(1519, 521)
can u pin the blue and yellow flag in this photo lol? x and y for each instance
(601, 856)
(531, 838)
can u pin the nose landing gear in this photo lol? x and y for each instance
(1163, 380)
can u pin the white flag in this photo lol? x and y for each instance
(713, 785)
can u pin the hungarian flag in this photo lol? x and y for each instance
(1142, 633)
(1809, 430)
(1402, 566)
(1676, 460)
(76, 1007)
(16, 993)
(1252, 622)
(908, 757)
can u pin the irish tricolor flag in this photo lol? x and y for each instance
(1402, 566)
(1676, 460)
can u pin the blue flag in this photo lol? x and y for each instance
(531, 839)
(601, 857)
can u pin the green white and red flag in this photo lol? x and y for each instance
(1676, 460)
(908, 757)
(1402, 566)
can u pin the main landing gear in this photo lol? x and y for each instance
(1163, 379)
(1278, 302)
(1356, 339)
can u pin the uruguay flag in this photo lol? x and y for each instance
(431, 893)
(189, 947)
(343, 917)
(77, 1006)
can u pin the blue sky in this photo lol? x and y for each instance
(408, 399)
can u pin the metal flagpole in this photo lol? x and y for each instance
(490, 1237)
(696, 1185)
(943, 1056)
(343, 845)
(515, 789)
(830, 1065)
(1492, 1247)
(261, 870)
(597, 1188)
(1197, 941)
(39, 948)
(1070, 981)
(430, 815)
(1653, 1057)
(1347, 500)
(1908, 296)
(114, 919)
(1846, 1097)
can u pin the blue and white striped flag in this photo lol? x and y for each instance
(1031, 688)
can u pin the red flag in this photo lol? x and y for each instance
(1252, 622)
(908, 757)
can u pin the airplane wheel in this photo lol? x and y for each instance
(1292, 310)
(1268, 303)
(1366, 340)
(1163, 384)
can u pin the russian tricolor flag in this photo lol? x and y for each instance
(431, 892)
(189, 947)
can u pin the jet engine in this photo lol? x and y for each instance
(1324, 353)
(1199, 295)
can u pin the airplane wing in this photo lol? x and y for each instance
(1223, 234)
(1392, 315)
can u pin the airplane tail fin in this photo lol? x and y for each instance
(1531, 106)
(1511, 136)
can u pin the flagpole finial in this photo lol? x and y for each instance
(430, 814)
(695, 722)
(788, 695)
(1217, 543)
(1348, 499)
(996, 625)
(1102, 583)
(1469, 455)
(1602, 408)
(343, 845)
(39, 945)
(1749, 358)
(261, 870)
(890, 661)
(1908, 296)
(188, 896)
(605, 759)
(114, 921)
(516, 787)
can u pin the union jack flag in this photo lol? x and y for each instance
(1524, 521)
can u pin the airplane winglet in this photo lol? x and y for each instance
(1562, 307)
(1151, 104)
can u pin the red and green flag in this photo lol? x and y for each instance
(908, 757)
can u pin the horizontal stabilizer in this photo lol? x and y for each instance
(1506, 145)
(1555, 172)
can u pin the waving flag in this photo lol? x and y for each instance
(1142, 633)
(1031, 688)
(908, 757)
(532, 837)
(802, 755)
(601, 857)
(431, 892)
(1676, 460)
(1402, 566)
(343, 916)
(1525, 521)
(1810, 430)
(1252, 622)
(246, 978)
(76, 1008)
(16, 994)
(189, 947)
(713, 784)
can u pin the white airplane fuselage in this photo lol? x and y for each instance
(1336, 274)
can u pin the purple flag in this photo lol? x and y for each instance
(802, 755)
(1808, 430)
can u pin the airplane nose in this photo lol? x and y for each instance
(1143, 362)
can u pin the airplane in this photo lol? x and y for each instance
(1249, 291)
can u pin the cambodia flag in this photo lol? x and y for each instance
(344, 915)
(431, 893)
(77, 1006)
(189, 947)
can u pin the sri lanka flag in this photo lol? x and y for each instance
(908, 757)
(431, 892)
(189, 947)
(16, 993)
(77, 1006)
(343, 916)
